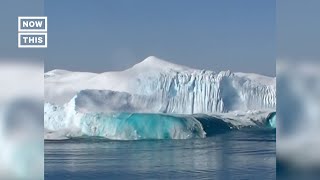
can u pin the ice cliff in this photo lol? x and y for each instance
(155, 85)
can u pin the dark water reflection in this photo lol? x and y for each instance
(234, 155)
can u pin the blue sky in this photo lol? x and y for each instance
(9, 12)
(298, 30)
(98, 36)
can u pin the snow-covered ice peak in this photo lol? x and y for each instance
(156, 64)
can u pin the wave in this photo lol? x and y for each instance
(125, 126)
(271, 120)
(65, 123)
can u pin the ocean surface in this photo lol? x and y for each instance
(245, 154)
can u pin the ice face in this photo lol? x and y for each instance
(158, 86)
(206, 92)
(125, 126)
(119, 126)
(184, 94)
(66, 122)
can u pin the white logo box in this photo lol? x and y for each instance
(32, 46)
(32, 18)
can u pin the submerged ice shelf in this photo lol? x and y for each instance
(121, 126)
(117, 105)
(66, 122)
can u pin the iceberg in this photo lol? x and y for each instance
(156, 99)
(155, 85)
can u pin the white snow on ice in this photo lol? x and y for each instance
(155, 85)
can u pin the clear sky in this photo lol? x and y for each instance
(9, 12)
(98, 35)
(298, 29)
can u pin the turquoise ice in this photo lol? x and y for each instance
(126, 126)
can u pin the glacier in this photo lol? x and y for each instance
(171, 99)
(155, 85)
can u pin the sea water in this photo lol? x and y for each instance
(246, 154)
